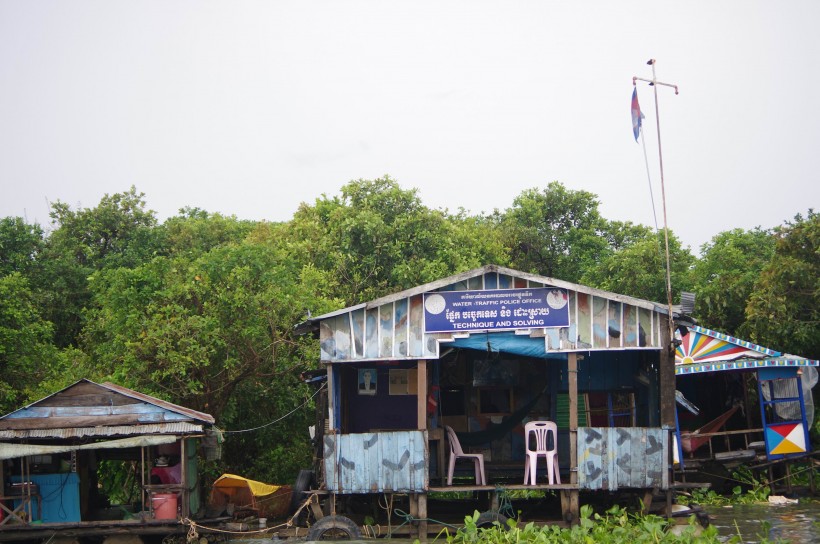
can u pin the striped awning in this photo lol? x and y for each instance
(744, 364)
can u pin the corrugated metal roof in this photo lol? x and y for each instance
(202, 416)
(187, 412)
(312, 323)
(121, 430)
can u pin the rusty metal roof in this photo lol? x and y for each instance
(86, 408)
(201, 416)
(175, 428)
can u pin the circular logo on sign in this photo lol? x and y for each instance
(556, 299)
(434, 304)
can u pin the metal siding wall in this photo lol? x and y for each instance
(386, 330)
(372, 334)
(631, 457)
(416, 326)
(400, 328)
(396, 330)
(376, 462)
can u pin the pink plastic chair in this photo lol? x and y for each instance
(457, 453)
(540, 431)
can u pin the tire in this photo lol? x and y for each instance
(297, 493)
(334, 528)
(488, 519)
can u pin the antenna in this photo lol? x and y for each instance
(654, 84)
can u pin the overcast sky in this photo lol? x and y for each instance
(250, 108)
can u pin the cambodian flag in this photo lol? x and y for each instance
(637, 115)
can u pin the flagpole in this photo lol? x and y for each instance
(654, 84)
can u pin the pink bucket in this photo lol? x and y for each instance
(164, 505)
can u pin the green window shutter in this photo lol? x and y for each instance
(562, 411)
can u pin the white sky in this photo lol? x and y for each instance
(249, 108)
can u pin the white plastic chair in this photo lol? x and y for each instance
(540, 431)
(457, 453)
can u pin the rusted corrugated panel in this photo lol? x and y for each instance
(201, 416)
(376, 462)
(622, 457)
(89, 404)
(121, 430)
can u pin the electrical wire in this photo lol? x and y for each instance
(324, 386)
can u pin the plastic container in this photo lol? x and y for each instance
(263, 522)
(60, 494)
(164, 505)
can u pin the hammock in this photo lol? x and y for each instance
(691, 441)
(496, 431)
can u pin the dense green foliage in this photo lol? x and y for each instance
(726, 274)
(616, 525)
(784, 307)
(200, 309)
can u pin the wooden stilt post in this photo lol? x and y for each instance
(668, 408)
(423, 517)
(414, 513)
(569, 499)
(421, 404)
(667, 383)
(418, 501)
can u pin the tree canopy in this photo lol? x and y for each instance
(783, 308)
(200, 309)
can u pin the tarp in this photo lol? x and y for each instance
(11, 451)
(507, 342)
(226, 482)
(242, 493)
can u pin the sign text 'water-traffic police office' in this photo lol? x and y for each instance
(497, 309)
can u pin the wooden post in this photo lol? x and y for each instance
(423, 517)
(421, 414)
(186, 499)
(146, 498)
(331, 399)
(421, 403)
(667, 383)
(414, 513)
(572, 379)
(570, 505)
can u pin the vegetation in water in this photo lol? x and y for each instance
(749, 490)
(616, 525)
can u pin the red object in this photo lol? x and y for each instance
(168, 475)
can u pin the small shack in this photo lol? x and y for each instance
(746, 403)
(483, 353)
(95, 456)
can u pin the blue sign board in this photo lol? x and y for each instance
(497, 309)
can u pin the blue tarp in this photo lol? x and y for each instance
(507, 342)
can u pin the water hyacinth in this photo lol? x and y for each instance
(616, 525)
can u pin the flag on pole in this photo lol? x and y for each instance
(637, 114)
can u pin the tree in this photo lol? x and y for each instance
(554, 232)
(783, 308)
(195, 231)
(214, 333)
(20, 246)
(192, 330)
(118, 232)
(639, 270)
(115, 233)
(25, 342)
(725, 275)
(377, 238)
